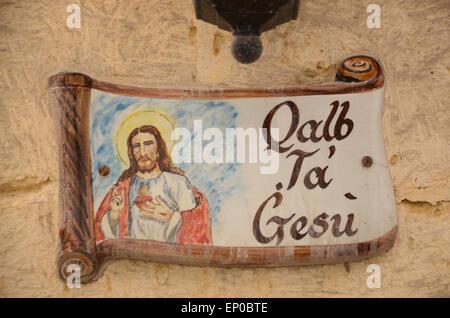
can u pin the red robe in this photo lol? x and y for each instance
(195, 224)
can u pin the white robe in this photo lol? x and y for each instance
(173, 189)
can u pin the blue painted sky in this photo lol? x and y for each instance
(217, 181)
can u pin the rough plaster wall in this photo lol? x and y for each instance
(161, 44)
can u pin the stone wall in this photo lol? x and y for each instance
(161, 44)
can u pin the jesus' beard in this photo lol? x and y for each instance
(146, 166)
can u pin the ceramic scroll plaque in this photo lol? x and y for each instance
(238, 177)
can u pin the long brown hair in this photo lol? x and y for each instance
(164, 160)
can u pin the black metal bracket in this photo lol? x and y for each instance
(246, 19)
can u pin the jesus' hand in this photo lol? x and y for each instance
(117, 203)
(156, 210)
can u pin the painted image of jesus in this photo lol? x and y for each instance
(152, 199)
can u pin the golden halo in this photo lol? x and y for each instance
(138, 119)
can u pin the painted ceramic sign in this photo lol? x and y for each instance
(260, 177)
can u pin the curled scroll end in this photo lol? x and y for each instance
(86, 263)
(358, 69)
(68, 79)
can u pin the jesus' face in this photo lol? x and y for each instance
(145, 151)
